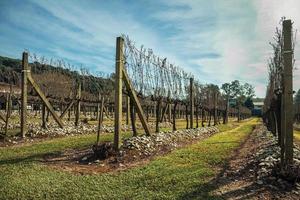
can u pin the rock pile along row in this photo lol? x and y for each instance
(268, 160)
(148, 145)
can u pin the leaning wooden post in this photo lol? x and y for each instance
(25, 71)
(287, 97)
(191, 102)
(133, 117)
(118, 91)
(100, 120)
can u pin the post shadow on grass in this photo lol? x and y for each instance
(31, 158)
(203, 191)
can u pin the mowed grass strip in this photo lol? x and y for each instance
(297, 135)
(182, 174)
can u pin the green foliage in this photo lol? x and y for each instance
(249, 103)
(239, 92)
(226, 88)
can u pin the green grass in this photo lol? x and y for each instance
(297, 135)
(182, 174)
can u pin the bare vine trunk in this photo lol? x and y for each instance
(174, 116)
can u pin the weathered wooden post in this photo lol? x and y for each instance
(174, 115)
(202, 116)
(127, 109)
(158, 113)
(215, 107)
(100, 120)
(118, 91)
(186, 115)
(192, 102)
(287, 96)
(170, 112)
(8, 110)
(77, 114)
(44, 120)
(227, 110)
(25, 71)
(133, 117)
(98, 106)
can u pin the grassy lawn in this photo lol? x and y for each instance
(297, 135)
(182, 174)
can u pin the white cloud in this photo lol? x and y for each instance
(269, 12)
(217, 40)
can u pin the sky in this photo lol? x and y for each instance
(217, 40)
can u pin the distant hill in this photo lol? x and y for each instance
(10, 73)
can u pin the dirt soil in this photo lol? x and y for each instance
(237, 180)
(83, 161)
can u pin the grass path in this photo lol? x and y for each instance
(297, 136)
(182, 174)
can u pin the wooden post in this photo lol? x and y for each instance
(127, 109)
(191, 103)
(215, 107)
(8, 111)
(66, 110)
(2, 117)
(100, 120)
(77, 114)
(134, 98)
(174, 115)
(44, 120)
(158, 112)
(132, 117)
(202, 116)
(197, 116)
(287, 97)
(118, 91)
(170, 112)
(186, 115)
(98, 106)
(164, 111)
(45, 101)
(227, 110)
(25, 71)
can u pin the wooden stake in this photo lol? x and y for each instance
(25, 71)
(45, 100)
(2, 117)
(136, 102)
(287, 97)
(8, 111)
(127, 109)
(44, 120)
(98, 106)
(118, 91)
(100, 120)
(77, 114)
(192, 103)
(174, 115)
(132, 117)
(67, 109)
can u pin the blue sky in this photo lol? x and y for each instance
(217, 40)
